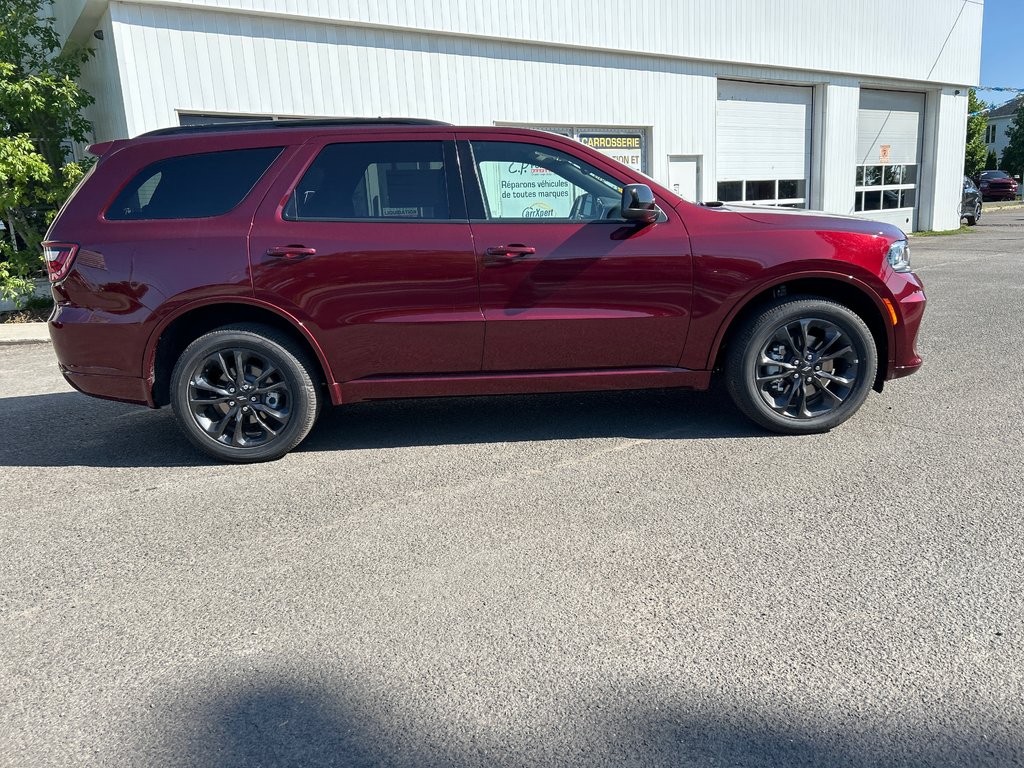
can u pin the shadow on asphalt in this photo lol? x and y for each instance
(288, 725)
(70, 429)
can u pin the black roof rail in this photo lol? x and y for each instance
(256, 125)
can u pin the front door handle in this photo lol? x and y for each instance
(502, 254)
(291, 251)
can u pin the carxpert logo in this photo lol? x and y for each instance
(538, 210)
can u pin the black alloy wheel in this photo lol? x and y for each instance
(801, 365)
(244, 393)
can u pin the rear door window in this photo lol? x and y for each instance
(192, 186)
(369, 181)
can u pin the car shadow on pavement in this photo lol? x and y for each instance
(274, 724)
(70, 429)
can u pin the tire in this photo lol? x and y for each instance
(974, 218)
(789, 393)
(231, 423)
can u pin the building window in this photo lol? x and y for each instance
(785, 193)
(885, 187)
(197, 118)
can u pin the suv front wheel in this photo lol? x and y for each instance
(244, 393)
(801, 365)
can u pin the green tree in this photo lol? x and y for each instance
(975, 149)
(991, 161)
(40, 114)
(1013, 156)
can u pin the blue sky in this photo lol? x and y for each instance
(1002, 48)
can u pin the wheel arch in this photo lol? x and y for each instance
(848, 291)
(187, 323)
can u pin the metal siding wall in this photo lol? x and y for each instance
(197, 61)
(174, 57)
(944, 160)
(838, 129)
(936, 40)
(100, 77)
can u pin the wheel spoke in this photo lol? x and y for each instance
(239, 368)
(832, 377)
(280, 416)
(224, 367)
(267, 371)
(210, 400)
(838, 400)
(238, 437)
(271, 387)
(845, 351)
(767, 378)
(261, 422)
(201, 383)
(217, 429)
(765, 360)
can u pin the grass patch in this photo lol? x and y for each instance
(964, 229)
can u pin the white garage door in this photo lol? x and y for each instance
(889, 132)
(763, 147)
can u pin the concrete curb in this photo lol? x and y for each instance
(24, 333)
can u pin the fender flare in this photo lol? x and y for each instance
(842, 278)
(178, 312)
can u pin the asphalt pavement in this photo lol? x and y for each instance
(638, 578)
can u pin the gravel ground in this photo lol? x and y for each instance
(609, 579)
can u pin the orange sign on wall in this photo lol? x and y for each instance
(883, 153)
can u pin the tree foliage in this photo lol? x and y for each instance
(1013, 156)
(41, 107)
(975, 150)
(991, 161)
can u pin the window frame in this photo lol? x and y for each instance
(476, 204)
(797, 203)
(450, 160)
(133, 177)
(861, 189)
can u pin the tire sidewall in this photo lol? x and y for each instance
(292, 370)
(851, 325)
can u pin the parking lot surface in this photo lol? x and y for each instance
(637, 578)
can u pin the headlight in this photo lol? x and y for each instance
(899, 256)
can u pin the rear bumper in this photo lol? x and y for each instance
(124, 389)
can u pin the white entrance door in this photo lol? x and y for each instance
(684, 176)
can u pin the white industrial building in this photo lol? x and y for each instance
(849, 107)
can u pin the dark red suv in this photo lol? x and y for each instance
(246, 274)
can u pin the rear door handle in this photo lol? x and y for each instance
(503, 253)
(291, 251)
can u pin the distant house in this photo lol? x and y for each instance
(999, 120)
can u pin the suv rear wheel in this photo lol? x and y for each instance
(244, 393)
(801, 365)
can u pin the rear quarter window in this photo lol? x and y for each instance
(192, 186)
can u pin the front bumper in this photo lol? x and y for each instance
(910, 303)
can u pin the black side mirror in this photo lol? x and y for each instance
(638, 204)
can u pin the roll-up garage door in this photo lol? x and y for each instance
(889, 131)
(763, 143)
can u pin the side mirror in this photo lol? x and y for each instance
(638, 204)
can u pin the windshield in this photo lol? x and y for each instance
(994, 175)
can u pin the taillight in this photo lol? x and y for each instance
(59, 258)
